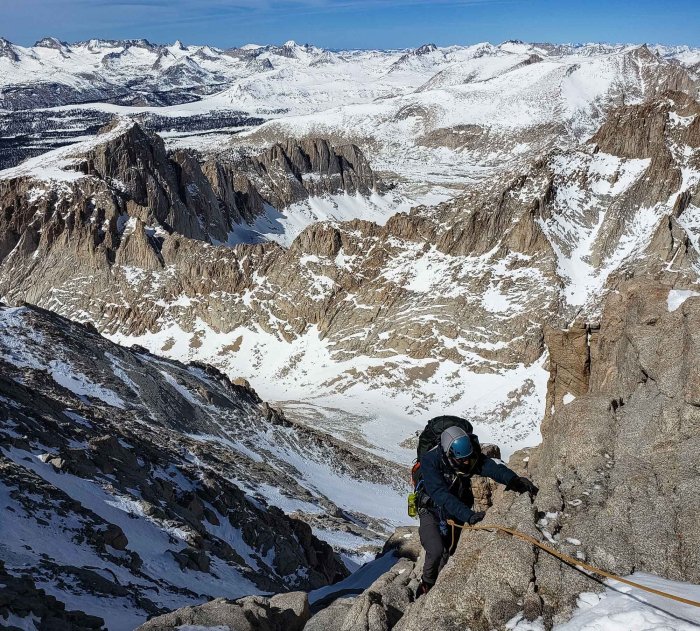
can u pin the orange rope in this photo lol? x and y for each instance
(571, 561)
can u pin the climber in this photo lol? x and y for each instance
(445, 493)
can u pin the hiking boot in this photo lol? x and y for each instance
(423, 589)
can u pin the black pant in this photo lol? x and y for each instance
(437, 548)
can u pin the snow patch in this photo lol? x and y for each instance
(358, 581)
(625, 607)
(676, 297)
(78, 383)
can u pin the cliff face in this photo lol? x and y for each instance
(613, 467)
(295, 170)
(286, 173)
(569, 363)
(641, 131)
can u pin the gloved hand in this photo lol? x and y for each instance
(476, 518)
(521, 484)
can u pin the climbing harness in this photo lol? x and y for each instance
(576, 563)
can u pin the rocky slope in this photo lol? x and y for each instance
(131, 484)
(381, 604)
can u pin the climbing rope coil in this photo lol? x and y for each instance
(576, 563)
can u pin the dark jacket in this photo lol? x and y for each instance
(449, 493)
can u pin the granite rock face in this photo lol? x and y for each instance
(614, 465)
(569, 364)
(382, 605)
(295, 170)
(641, 131)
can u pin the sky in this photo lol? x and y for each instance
(354, 23)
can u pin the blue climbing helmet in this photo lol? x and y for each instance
(461, 449)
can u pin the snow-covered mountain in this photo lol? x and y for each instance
(436, 119)
(368, 237)
(256, 76)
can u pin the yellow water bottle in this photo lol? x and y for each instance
(413, 504)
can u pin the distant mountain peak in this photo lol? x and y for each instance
(289, 49)
(97, 44)
(421, 51)
(50, 42)
(425, 49)
(8, 50)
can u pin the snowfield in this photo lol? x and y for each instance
(381, 417)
